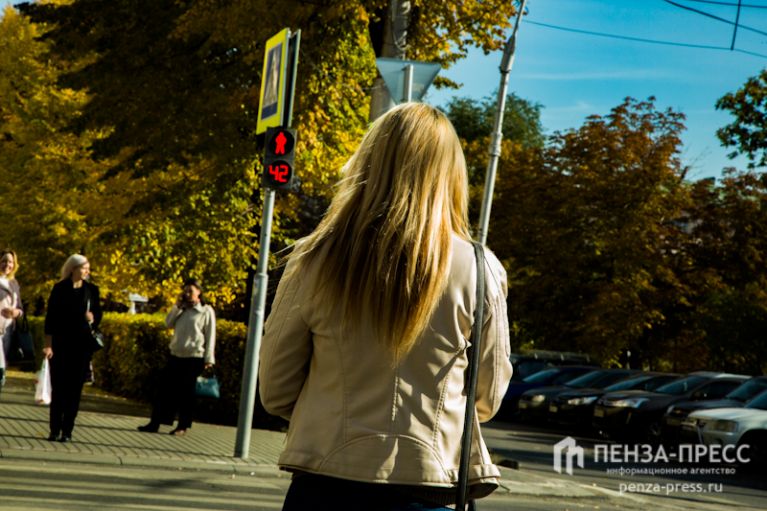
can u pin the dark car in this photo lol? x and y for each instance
(637, 414)
(534, 404)
(574, 408)
(531, 362)
(676, 413)
(550, 376)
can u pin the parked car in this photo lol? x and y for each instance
(534, 404)
(574, 408)
(636, 414)
(546, 377)
(531, 362)
(735, 426)
(672, 420)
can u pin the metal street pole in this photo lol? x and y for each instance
(408, 89)
(255, 329)
(495, 146)
(260, 283)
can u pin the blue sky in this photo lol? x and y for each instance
(575, 75)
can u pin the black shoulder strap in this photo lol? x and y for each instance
(471, 378)
(86, 295)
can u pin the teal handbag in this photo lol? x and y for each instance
(207, 387)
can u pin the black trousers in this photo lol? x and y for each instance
(176, 394)
(310, 492)
(68, 368)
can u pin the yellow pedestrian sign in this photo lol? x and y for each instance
(273, 82)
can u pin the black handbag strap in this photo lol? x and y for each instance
(471, 379)
(87, 296)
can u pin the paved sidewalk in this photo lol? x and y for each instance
(111, 438)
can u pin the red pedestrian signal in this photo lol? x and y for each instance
(279, 143)
(278, 157)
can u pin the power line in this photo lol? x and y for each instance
(723, 20)
(643, 40)
(735, 28)
(729, 4)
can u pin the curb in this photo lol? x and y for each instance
(233, 466)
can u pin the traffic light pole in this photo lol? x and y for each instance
(495, 147)
(260, 284)
(255, 329)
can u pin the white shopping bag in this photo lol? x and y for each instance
(43, 385)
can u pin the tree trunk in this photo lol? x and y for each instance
(393, 45)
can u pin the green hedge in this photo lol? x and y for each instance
(136, 350)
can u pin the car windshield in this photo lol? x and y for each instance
(627, 384)
(587, 380)
(544, 376)
(759, 402)
(748, 390)
(656, 382)
(528, 368)
(676, 388)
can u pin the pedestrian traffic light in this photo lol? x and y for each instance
(278, 157)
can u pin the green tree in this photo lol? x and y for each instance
(474, 119)
(747, 133)
(586, 226)
(50, 181)
(728, 243)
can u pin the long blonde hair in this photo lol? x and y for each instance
(384, 245)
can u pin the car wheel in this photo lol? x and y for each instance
(757, 451)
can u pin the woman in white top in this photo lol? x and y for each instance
(192, 350)
(10, 304)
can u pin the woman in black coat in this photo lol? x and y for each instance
(72, 308)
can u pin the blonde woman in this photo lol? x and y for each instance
(365, 347)
(10, 304)
(73, 306)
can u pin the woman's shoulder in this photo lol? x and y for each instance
(465, 260)
(91, 286)
(463, 250)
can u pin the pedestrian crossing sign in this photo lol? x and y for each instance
(271, 102)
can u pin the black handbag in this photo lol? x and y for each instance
(471, 383)
(22, 345)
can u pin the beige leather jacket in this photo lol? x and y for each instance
(354, 416)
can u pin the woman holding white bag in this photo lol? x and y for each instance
(73, 307)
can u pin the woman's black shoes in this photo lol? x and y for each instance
(63, 438)
(178, 432)
(52, 437)
(149, 428)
